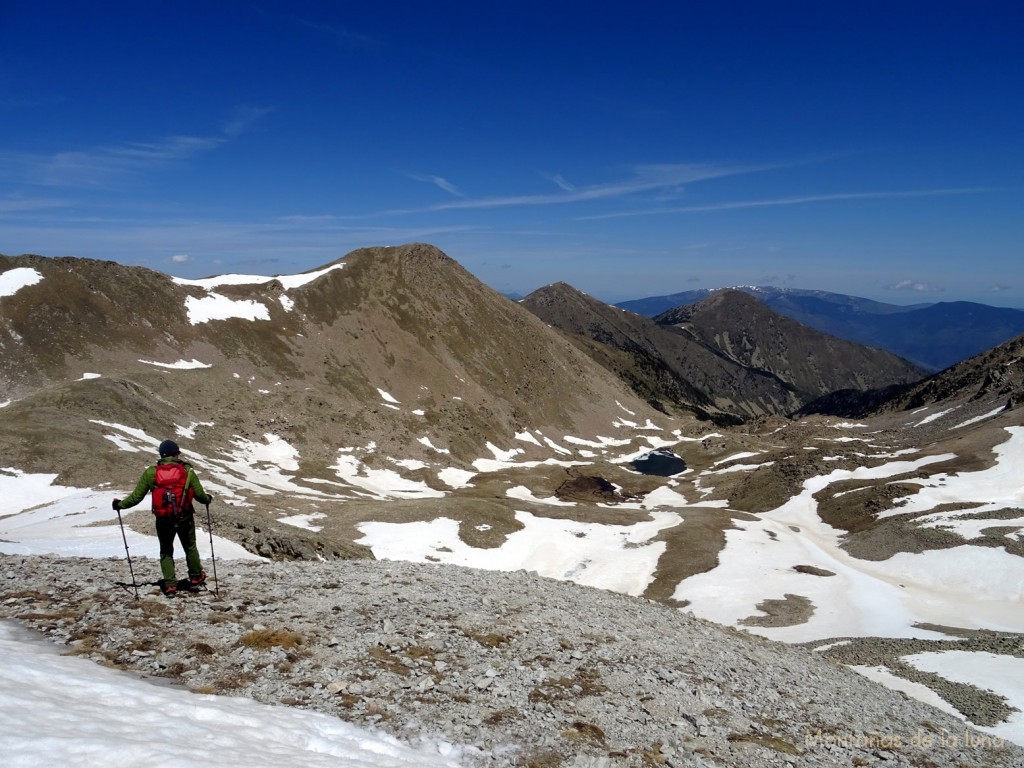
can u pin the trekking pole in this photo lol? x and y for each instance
(127, 553)
(209, 528)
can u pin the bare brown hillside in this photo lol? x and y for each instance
(728, 358)
(397, 346)
(746, 330)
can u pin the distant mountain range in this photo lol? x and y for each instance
(934, 336)
(728, 358)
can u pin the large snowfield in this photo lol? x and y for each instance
(966, 586)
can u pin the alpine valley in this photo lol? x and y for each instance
(547, 532)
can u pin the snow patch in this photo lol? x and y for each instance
(181, 364)
(13, 280)
(52, 717)
(382, 483)
(523, 493)
(456, 478)
(619, 558)
(218, 307)
(932, 417)
(304, 521)
(1003, 675)
(976, 419)
(287, 281)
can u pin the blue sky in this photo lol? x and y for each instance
(641, 149)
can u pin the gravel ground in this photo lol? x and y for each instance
(520, 670)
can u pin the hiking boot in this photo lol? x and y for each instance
(197, 581)
(170, 589)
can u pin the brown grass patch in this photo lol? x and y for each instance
(388, 661)
(501, 716)
(153, 608)
(47, 617)
(420, 652)
(488, 639)
(764, 740)
(233, 682)
(585, 732)
(541, 759)
(653, 756)
(265, 639)
(587, 679)
(26, 594)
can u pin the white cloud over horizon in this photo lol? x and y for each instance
(915, 286)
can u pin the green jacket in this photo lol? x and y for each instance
(148, 482)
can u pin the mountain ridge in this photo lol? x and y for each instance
(673, 362)
(408, 321)
(933, 335)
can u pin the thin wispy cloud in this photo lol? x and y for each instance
(343, 36)
(798, 200)
(913, 286)
(102, 166)
(645, 178)
(112, 164)
(244, 119)
(438, 181)
(17, 204)
(560, 181)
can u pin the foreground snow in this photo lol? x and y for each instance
(62, 710)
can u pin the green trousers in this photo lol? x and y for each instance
(185, 529)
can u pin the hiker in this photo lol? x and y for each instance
(174, 485)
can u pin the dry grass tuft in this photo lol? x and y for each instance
(771, 742)
(489, 639)
(585, 732)
(388, 661)
(265, 639)
(585, 683)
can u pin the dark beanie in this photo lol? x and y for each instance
(168, 448)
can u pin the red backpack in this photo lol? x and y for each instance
(171, 496)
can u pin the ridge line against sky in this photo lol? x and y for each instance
(855, 148)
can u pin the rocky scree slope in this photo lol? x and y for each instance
(522, 671)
